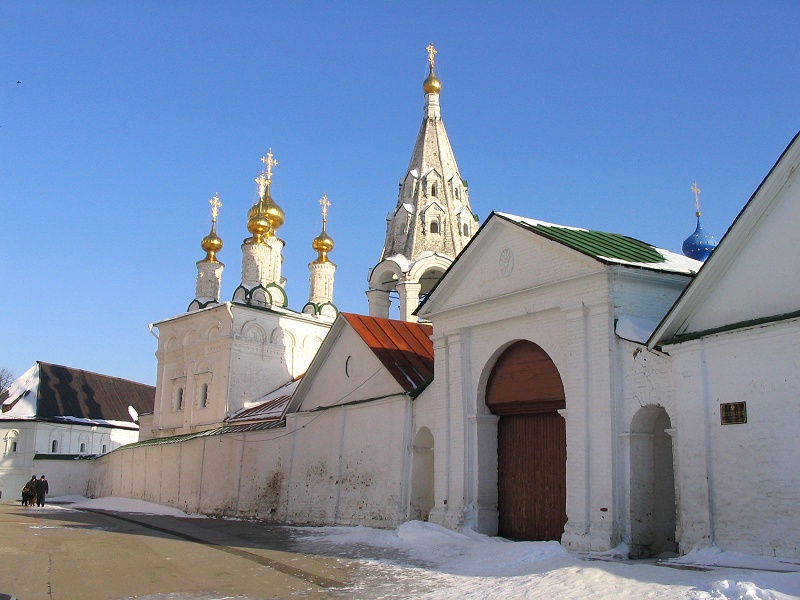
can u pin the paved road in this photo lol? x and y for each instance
(55, 554)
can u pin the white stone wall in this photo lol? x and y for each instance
(239, 352)
(340, 466)
(739, 484)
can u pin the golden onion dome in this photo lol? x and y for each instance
(211, 244)
(273, 212)
(432, 85)
(323, 244)
(258, 224)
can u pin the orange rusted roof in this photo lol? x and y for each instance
(404, 348)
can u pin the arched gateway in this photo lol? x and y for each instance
(525, 390)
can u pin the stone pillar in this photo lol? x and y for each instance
(409, 300)
(378, 303)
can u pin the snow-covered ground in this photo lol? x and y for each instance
(429, 561)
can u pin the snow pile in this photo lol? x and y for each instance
(716, 557)
(125, 505)
(468, 565)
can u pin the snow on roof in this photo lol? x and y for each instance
(52, 392)
(269, 406)
(612, 248)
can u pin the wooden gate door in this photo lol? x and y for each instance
(531, 464)
(526, 391)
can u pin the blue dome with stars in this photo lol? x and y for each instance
(700, 244)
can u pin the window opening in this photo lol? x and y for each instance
(434, 226)
(54, 446)
(83, 447)
(180, 398)
(204, 395)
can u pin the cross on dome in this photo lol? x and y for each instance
(431, 54)
(215, 204)
(269, 162)
(324, 203)
(696, 191)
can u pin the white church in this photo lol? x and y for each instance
(543, 382)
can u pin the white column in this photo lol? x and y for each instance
(378, 303)
(409, 300)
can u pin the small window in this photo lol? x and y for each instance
(179, 403)
(83, 447)
(13, 446)
(458, 197)
(465, 228)
(433, 189)
(54, 446)
(204, 395)
(434, 226)
(103, 449)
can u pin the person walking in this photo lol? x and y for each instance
(28, 493)
(41, 491)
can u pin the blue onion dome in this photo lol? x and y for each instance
(700, 244)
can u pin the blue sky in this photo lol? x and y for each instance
(129, 116)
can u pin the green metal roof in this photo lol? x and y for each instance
(600, 244)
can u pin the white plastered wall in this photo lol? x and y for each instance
(739, 484)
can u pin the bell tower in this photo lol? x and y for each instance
(432, 220)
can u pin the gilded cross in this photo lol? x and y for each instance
(269, 162)
(324, 203)
(431, 53)
(696, 191)
(262, 182)
(215, 204)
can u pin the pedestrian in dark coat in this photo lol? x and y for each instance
(41, 490)
(28, 493)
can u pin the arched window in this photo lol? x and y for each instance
(204, 395)
(458, 197)
(179, 401)
(434, 226)
(54, 446)
(11, 441)
(465, 228)
(82, 448)
(103, 449)
(433, 189)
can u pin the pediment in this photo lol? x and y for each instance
(504, 258)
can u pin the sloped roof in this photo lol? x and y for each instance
(174, 439)
(64, 392)
(609, 248)
(268, 407)
(404, 348)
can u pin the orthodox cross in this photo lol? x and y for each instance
(431, 53)
(215, 204)
(324, 203)
(262, 182)
(696, 191)
(269, 162)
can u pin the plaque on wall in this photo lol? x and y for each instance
(733, 413)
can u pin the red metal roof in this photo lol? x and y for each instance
(404, 348)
